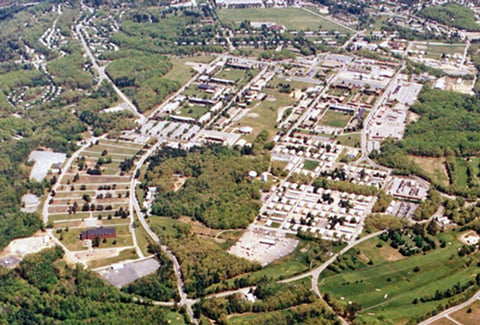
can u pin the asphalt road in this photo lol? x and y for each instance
(451, 310)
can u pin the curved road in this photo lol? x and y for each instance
(445, 313)
(184, 301)
(101, 70)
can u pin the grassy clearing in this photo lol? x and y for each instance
(231, 74)
(461, 166)
(387, 289)
(437, 51)
(335, 119)
(181, 71)
(263, 115)
(310, 164)
(350, 140)
(97, 150)
(127, 254)
(120, 143)
(175, 318)
(195, 111)
(71, 239)
(434, 166)
(291, 18)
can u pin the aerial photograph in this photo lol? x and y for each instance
(240, 162)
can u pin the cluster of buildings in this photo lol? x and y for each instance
(252, 3)
(391, 118)
(330, 214)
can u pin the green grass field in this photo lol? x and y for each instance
(436, 51)
(263, 115)
(195, 111)
(182, 72)
(351, 140)
(291, 18)
(231, 74)
(387, 289)
(310, 164)
(461, 170)
(127, 254)
(175, 318)
(335, 119)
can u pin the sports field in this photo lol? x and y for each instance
(335, 119)
(291, 18)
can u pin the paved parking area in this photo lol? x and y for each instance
(122, 274)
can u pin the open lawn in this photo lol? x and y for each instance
(231, 74)
(194, 111)
(175, 318)
(436, 51)
(72, 240)
(126, 254)
(263, 115)
(434, 166)
(143, 239)
(335, 119)
(181, 71)
(350, 140)
(461, 172)
(310, 164)
(387, 289)
(291, 18)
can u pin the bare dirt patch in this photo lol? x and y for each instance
(199, 228)
(469, 238)
(412, 117)
(263, 246)
(21, 247)
(435, 166)
(465, 317)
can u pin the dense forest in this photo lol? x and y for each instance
(140, 77)
(216, 190)
(44, 290)
(449, 126)
(203, 262)
(453, 15)
(270, 297)
(160, 285)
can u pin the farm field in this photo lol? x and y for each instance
(291, 18)
(335, 119)
(388, 288)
